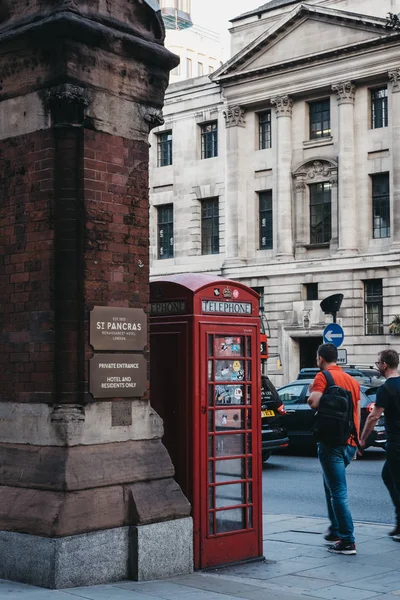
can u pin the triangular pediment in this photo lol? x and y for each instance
(307, 33)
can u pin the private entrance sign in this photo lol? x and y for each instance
(333, 334)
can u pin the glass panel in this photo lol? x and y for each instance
(210, 370)
(248, 391)
(231, 520)
(229, 495)
(227, 470)
(211, 477)
(228, 346)
(230, 445)
(210, 421)
(229, 394)
(211, 529)
(211, 501)
(210, 346)
(211, 395)
(248, 370)
(249, 468)
(248, 347)
(249, 492)
(228, 419)
(211, 446)
(229, 370)
(249, 443)
(250, 517)
(249, 419)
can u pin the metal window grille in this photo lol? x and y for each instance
(320, 119)
(379, 108)
(320, 213)
(373, 307)
(265, 220)
(209, 140)
(381, 205)
(265, 130)
(165, 226)
(311, 291)
(210, 226)
(164, 148)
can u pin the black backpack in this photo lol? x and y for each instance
(334, 419)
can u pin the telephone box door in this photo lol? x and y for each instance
(230, 444)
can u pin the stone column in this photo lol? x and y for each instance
(235, 190)
(86, 487)
(394, 125)
(301, 215)
(283, 199)
(348, 232)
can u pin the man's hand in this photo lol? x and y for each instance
(360, 450)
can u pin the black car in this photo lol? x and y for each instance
(274, 435)
(299, 417)
(309, 372)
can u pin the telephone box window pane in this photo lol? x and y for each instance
(248, 370)
(248, 347)
(230, 445)
(249, 443)
(229, 394)
(210, 345)
(248, 399)
(210, 395)
(211, 501)
(211, 478)
(249, 419)
(228, 346)
(229, 370)
(249, 492)
(211, 452)
(250, 517)
(249, 468)
(210, 370)
(230, 495)
(211, 528)
(231, 520)
(210, 421)
(227, 470)
(228, 419)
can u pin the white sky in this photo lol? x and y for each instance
(215, 14)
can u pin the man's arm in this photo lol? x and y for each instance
(370, 423)
(313, 399)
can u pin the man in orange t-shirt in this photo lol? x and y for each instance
(335, 459)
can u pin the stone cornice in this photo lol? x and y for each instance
(235, 116)
(283, 106)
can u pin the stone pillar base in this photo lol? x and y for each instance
(141, 553)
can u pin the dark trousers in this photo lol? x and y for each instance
(391, 475)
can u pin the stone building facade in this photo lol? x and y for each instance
(283, 171)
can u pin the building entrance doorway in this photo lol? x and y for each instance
(308, 351)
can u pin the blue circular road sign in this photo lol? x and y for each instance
(333, 334)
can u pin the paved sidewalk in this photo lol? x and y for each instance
(297, 567)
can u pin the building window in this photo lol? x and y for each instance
(373, 307)
(209, 140)
(164, 149)
(311, 290)
(165, 226)
(177, 70)
(381, 205)
(320, 213)
(210, 69)
(264, 127)
(189, 68)
(320, 119)
(379, 108)
(210, 226)
(265, 219)
(200, 69)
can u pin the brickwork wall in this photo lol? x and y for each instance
(26, 251)
(100, 214)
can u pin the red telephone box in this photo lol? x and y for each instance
(205, 384)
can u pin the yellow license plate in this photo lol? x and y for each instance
(267, 413)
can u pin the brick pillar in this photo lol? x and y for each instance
(87, 493)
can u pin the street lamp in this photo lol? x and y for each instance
(331, 305)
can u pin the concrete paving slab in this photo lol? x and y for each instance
(300, 584)
(385, 583)
(349, 570)
(339, 592)
(102, 592)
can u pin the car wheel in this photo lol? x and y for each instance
(265, 456)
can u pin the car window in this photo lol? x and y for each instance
(291, 394)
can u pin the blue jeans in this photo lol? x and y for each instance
(391, 475)
(334, 461)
